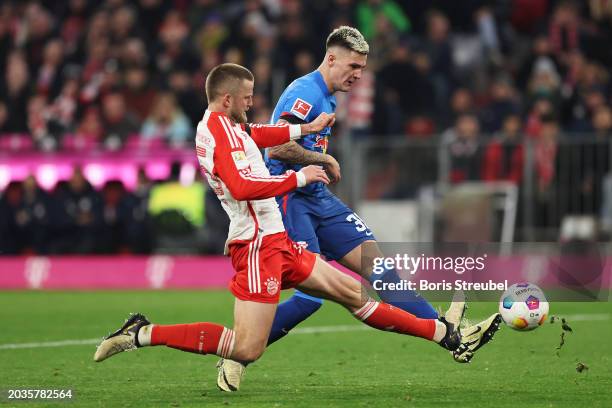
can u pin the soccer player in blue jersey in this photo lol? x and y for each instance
(314, 215)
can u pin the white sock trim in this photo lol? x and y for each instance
(440, 331)
(366, 310)
(226, 343)
(144, 335)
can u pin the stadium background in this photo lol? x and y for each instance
(502, 106)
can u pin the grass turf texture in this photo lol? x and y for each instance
(353, 368)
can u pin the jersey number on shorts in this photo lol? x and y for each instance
(359, 224)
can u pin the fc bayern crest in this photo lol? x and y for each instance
(272, 286)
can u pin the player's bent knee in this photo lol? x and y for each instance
(349, 292)
(248, 354)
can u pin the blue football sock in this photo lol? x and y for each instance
(407, 300)
(292, 312)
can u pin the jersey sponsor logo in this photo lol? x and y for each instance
(321, 142)
(301, 108)
(272, 286)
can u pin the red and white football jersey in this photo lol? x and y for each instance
(229, 157)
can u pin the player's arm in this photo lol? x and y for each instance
(274, 135)
(231, 166)
(293, 153)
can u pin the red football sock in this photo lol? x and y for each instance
(383, 316)
(201, 338)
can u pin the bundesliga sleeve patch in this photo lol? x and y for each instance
(301, 108)
(240, 159)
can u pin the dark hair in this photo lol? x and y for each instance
(224, 78)
(349, 38)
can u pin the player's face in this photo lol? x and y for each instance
(241, 101)
(346, 69)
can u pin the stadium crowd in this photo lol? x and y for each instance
(481, 77)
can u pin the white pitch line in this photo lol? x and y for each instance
(62, 343)
(300, 330)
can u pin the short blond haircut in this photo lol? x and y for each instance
(225, 78)
(349, 38)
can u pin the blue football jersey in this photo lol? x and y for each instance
(305, 98)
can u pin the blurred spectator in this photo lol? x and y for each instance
(262, 70)
(294, 37)
(119, 123)
(36, 30)
(488, 32)
(564, 29)
(138, 93)
(78, 218)
(49, 78)
(369, 12)
(37, 122)
(123, 25)
(153, 12)
(177, 212)
(9, 203)
(541, 107)
(167, 122)
(133, 217)
(173, 51)
(503, 156)
(133, 53)
(545, 83)
(545, 157)
(73, 24)
(190, 101)
(62, 111)
(438, 47)
(465, 149)
(15, 91)
(503, 102)
(4, 117)
(32, 218)
(540, 50)
(91, 127)
(461, 101)
(601, 123)
(399, 81)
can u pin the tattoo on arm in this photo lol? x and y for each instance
(293, 153)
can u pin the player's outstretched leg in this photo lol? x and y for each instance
(327, 282)
(137, 331)
(475, 336)
(244, 344)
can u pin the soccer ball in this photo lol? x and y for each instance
(523, 306)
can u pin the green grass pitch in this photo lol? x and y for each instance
(337, 368)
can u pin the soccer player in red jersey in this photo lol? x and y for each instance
(264, 258)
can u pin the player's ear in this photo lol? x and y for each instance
(331, 59)
(227, 100)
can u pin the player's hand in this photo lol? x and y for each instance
(321, 122)
(333, 168)
(314, 174)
